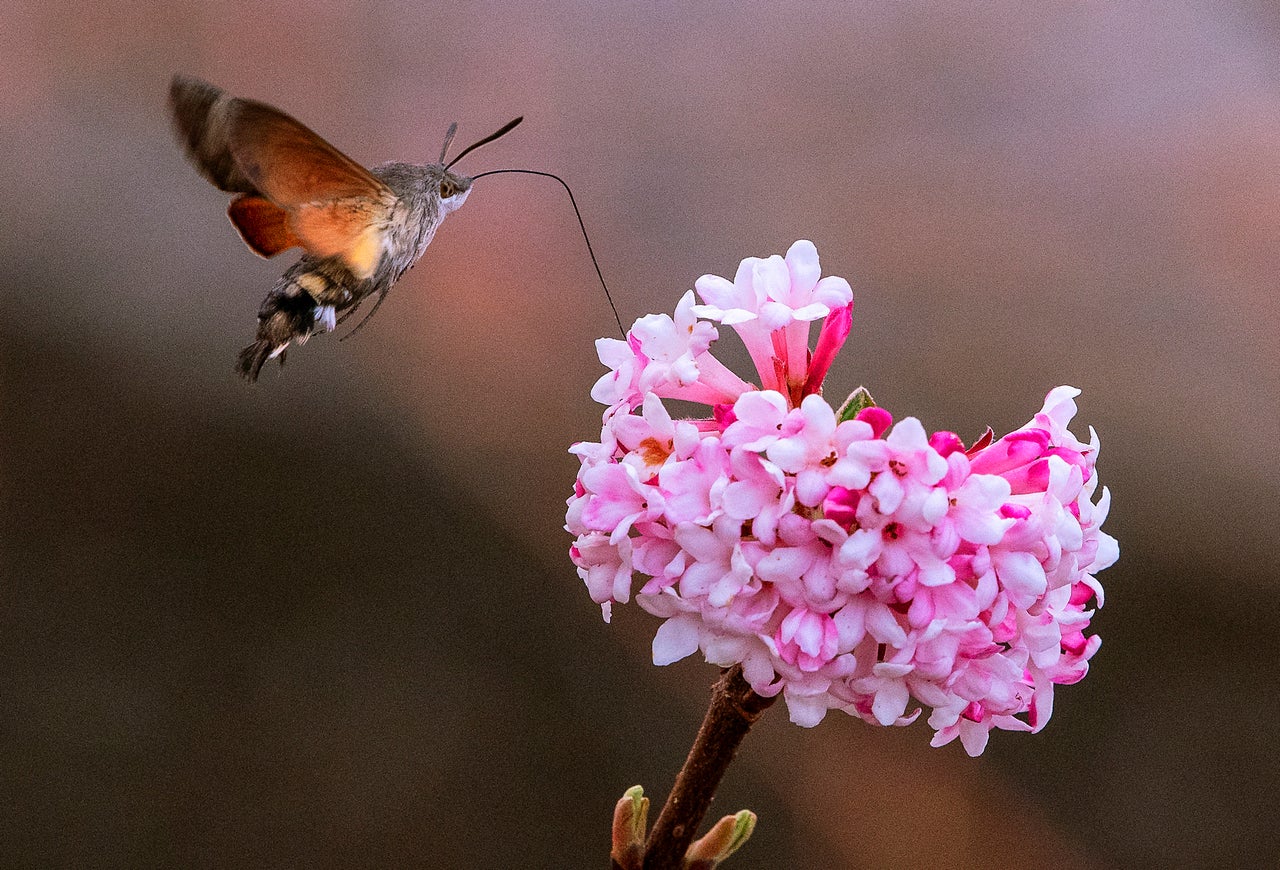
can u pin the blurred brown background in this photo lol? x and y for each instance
(329, 620)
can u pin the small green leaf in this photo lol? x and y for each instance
(858, 399)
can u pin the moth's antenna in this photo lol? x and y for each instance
(448, 140)
(572, 202)
(506, 128)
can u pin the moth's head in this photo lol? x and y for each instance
(454, 189)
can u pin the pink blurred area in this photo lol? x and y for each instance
(1022, 196)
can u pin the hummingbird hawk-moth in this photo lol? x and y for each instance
(360, 229)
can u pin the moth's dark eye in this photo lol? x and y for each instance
(447, 189)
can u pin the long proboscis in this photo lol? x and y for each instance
(573, 202)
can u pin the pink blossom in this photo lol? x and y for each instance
(619, 499)
(807, 639)
(908, 488)
(770, 303)
(667, 356)
(835, 329)
(845, 561)
(605, 568)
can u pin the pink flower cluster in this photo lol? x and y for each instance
(842, 559)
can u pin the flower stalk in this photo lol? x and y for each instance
(734, 708)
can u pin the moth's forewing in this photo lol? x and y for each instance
(301, 190)
(202, 118)
(291, 165)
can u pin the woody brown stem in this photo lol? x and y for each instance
(734, 709)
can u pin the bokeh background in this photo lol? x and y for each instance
(329, 620)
